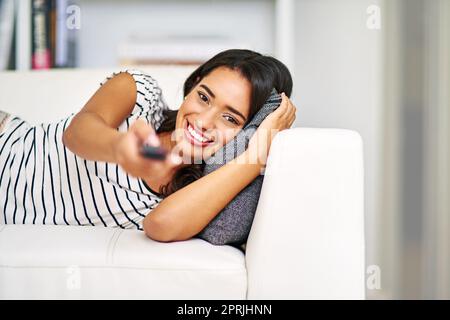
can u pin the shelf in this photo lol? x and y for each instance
(264, 26)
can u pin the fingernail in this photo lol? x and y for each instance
(153, 140)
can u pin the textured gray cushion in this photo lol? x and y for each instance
(232, 225)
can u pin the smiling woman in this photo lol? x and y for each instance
(221, 96)
(88, 169)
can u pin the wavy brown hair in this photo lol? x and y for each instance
(262, 71)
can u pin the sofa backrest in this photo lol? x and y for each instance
(50, 95)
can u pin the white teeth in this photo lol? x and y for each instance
(196, 135)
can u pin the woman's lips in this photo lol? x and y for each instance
(193, 140)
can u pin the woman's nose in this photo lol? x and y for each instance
(205, 120)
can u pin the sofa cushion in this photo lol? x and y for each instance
(72, 262)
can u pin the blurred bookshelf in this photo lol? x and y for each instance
(46, 34)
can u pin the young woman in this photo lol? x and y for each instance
(87, 169)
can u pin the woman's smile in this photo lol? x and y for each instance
(195, 137)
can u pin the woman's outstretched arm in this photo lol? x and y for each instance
(93, 133)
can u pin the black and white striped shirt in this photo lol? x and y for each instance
(43, 182)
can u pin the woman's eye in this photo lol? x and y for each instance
(232, 119)
(201, 95)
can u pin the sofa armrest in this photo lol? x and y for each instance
(307, 237)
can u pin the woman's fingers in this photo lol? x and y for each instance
(280, 112)
(284, 104)
(292, 111)
(145, 133)
(289, 115)
(173, 159)
(290, 106)
(286, 108)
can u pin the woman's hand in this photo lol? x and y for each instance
(280, 119)
(128, 156)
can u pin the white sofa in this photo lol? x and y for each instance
(306, 241)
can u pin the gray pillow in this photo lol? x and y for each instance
(232, 225)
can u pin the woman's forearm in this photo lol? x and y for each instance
(89, 137)
(186, 212)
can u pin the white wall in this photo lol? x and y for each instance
(338, 83)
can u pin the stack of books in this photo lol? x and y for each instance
(173, 49)
(37, 34)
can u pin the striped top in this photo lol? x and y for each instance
(43, 182)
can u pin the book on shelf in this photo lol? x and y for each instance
(7, 21)
(173, 49)
(40, 26)
(53, 43)
(65, 38)
(34, 35)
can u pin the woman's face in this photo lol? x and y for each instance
(216, 108)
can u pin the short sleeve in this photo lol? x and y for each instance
(150, 102)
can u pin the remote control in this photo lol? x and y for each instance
(155, 153)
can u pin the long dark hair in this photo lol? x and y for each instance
(262, 71)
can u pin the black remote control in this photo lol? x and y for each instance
(155, 153)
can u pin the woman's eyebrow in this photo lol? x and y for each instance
(236, 112)
(228, 107)
(208, 90)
